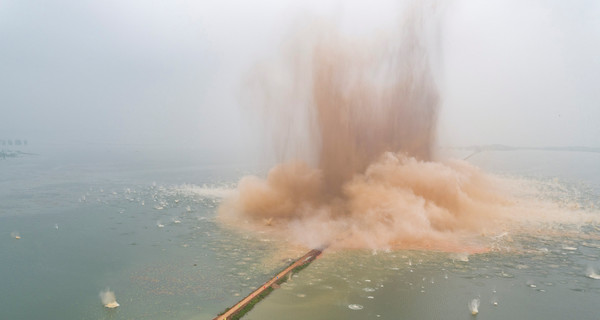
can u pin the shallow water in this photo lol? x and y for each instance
(88, 222)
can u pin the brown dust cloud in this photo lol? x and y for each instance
(353, 122)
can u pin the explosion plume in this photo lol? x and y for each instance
(353, 122)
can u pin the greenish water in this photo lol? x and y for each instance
(144, 226)
(145, 229)
(426, 285)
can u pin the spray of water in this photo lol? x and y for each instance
(474, 306)
(591, 273)
(108, 299)
(353, 124)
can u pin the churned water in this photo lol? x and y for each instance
(527, 276)
(145, 229)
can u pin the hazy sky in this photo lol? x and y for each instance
(155, 72)
(522, 73)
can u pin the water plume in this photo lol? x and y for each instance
(108, 299)
(474, 306)
(591, 273)
(353, 123)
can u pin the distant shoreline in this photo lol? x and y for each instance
(499, 147)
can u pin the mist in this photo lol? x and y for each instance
(521, 73)
(171, 72)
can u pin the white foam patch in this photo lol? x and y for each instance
(221, 191)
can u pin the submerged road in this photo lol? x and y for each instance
(308, 257)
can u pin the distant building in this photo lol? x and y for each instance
(11, 142)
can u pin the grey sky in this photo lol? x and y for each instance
(524, 73)
(155, 72)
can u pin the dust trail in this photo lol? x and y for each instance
(354, 121)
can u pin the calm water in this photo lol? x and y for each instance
(143, 224)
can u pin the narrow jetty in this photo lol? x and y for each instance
(265, 288)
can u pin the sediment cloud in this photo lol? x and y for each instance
(353, 121)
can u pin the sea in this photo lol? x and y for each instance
(142, 222)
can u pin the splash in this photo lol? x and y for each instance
(474, 306)
(108, 299)
(353, 123)
(212, 191)
(591, 273)
(355, 307)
